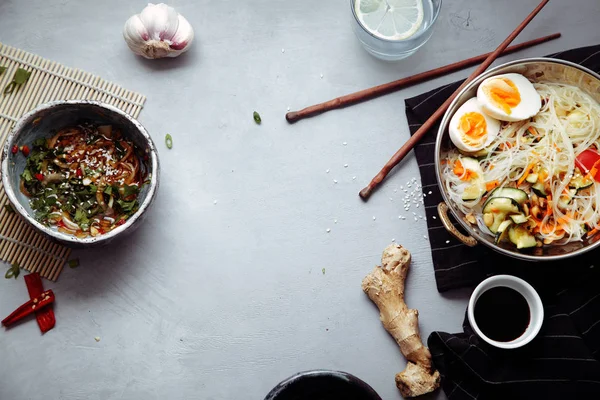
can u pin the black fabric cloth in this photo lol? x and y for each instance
(455, 264)
(563, 361)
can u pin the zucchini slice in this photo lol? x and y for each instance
(518, 218)
(579, 181)
(502, 231)
(474, 191)
(532, 178)
(521, 237)
(517, 195)
(539, 189)
(567, 198)
(501, 205)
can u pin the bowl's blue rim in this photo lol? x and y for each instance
(283, 385)
(9, 190)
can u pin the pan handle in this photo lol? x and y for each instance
(443, 213)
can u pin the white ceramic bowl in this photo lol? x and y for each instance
(536, 309)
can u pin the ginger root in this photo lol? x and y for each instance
(385, 287)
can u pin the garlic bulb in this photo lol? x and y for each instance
(158, 31)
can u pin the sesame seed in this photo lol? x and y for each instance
(327, 171)
(425, 237)
(434, 217)
(345, 165)
(327, 230)
(335, 221)
(353, 178)
(334, 181)
(430, 192)
(288, 108)
(321, 76)
(345, 143)
(374, 218)
(215, 202)
(283, 50)
(447, 241)
(393, 240)
(97, 338)
(416, 219)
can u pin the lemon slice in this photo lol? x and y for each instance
(390, 19)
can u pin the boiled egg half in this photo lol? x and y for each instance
(471, 129)
(509, 97)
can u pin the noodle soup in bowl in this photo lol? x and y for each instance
(80, 172)
(530, 190)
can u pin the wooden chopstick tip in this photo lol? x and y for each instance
(291, 117)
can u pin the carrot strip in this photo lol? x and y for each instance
(592, 232)
(526, 173)
(492, 185)
(549, 208)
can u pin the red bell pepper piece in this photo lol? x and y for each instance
(14, 149)
(44, 299)
(39, 177)
(79, 173)
(25, 150)
(44, 316)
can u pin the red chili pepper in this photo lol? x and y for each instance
(45, 316)
(39, 177)
(44, 299)
(60, 223)
(14, 149)
(79, 172)
(25, 150)
(121, 222)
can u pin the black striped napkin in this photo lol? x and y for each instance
(455, 264)
(563, 361)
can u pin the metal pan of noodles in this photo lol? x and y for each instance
(551, 73)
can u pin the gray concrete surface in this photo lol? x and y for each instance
(222, 301)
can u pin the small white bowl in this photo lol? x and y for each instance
(536, 309)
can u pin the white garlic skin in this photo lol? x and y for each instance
(158, 31)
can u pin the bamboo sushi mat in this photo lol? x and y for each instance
(19, 242)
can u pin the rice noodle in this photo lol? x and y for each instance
(568, 124)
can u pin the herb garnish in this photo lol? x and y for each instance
(13, 271)
(21, 76)
(80, 195)
(74, 263)
(257, 118)
(169, 141)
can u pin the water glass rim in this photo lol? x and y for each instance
(436, 12)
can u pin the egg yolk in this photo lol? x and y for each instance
(473, 127)
(503, 93)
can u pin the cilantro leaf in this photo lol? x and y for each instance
(128, 190)
(27, 175)
(128, 206)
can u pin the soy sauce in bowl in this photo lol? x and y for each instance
(502, 314)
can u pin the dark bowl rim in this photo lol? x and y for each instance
(340, 375)
(64, 238)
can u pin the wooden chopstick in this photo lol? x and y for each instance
(410, 143)
(386, 88)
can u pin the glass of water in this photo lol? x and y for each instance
(394, 29)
